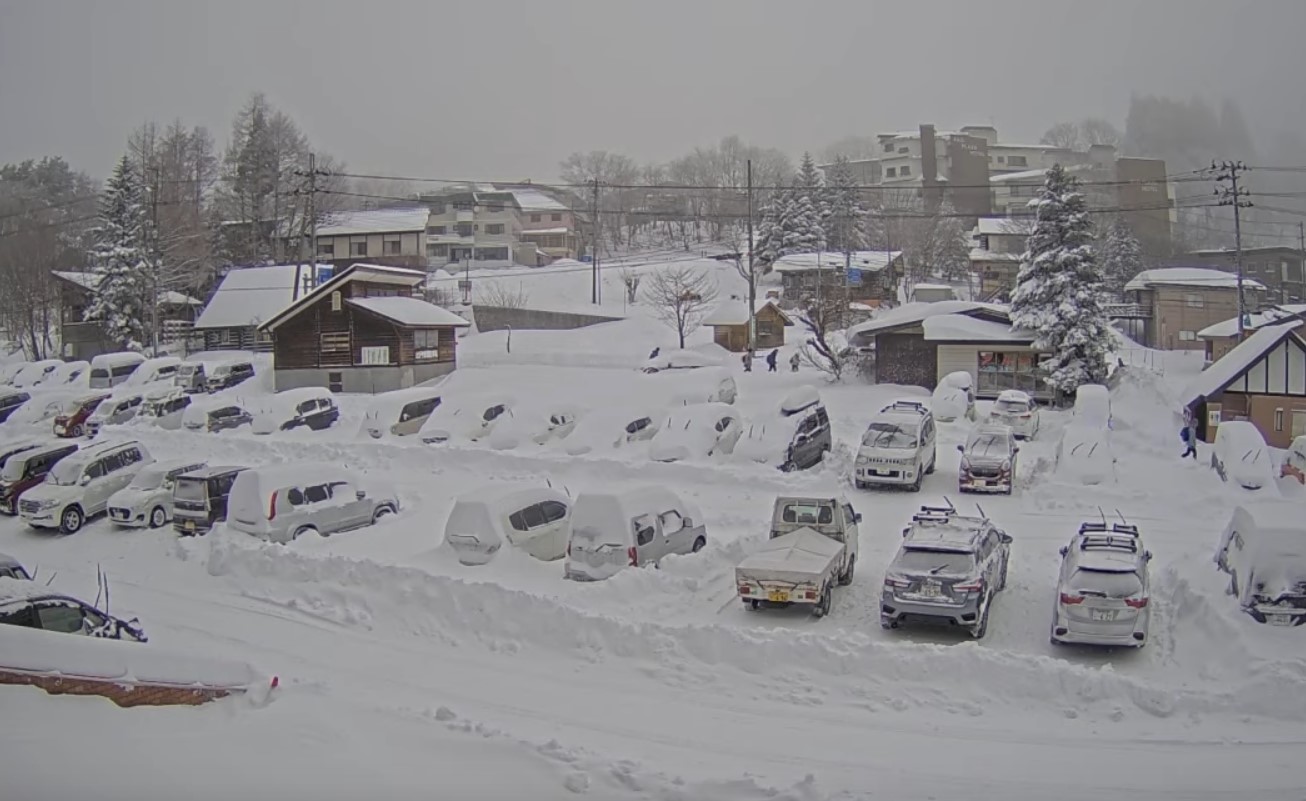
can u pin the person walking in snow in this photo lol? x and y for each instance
(655, 353)
(793, 362)
(748, 361)
(1189, 435)
(770, 360)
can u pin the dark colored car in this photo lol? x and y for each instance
(12, 568)
(26, 469)
(225, 376)
(199, 499)
(29, 604)
(10, 401)
(71, 421)
(220, 419)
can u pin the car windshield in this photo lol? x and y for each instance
(65, 473)
(890, 435)
(807, 514)
(13, 469)
(1011, 407)
(988, 443)
(918, 560)
(148, 479)
(1106, 584)
(71, 406)
(189, 489)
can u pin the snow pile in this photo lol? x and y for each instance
(623, 345)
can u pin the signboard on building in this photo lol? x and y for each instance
(854, 277)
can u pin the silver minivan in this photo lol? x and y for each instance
(614, 530)
(284, 502)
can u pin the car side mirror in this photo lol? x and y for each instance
(857, 517)
(1064, 550)
(961, 449)
(1016, 449)
(361, 494)
(1147, 555)
(84, 480)
(1006, 539)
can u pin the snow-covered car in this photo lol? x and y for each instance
(560, 424)
(313, 408)
(284, 502)
(215, 415)
(8, 371)
(954, 398)
(683, 387)
(1294, 460)
(115, 410)
(12, 568)
(150, 371)
(631, 528)
(1263, 549)
(535, 519)
(25, 468)
(70, 374)
(680, 359)
(147, 500)
(1018, 410)
(33, 605)
(602, 430)
(471, 418)
(988, 460)
(79, 486)
(794, 437)
(812, 547)
(36, 373)
(1102, 595)
(71, 420)
(1092, 406)
(111, 369)
(703, 429)
(39, 412)
(1084, 454)
(228, 374)
(400, 413)
(10, 401)
(164, 407)
(898, 448)
(1241, 457)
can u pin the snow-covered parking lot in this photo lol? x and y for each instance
(405, 673)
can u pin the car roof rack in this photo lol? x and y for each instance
(906, 405)
(1128, 529)
(935, 514)
(1109, 542)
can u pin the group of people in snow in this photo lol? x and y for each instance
(772, 359)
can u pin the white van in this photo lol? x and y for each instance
(79, 486)
(533, 518)
(1294, 460)
(112, 369)
(164, 407)
(400, 413)
(614, 530)
(162, 368)
(1261, 551)
(283, 502)
(1093, 406)
(898, 447)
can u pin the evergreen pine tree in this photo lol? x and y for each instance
(800, 227)
(120, 261)
(1058, 293)
(768, 239)
(809, 183)
(846, 226)
(1122, 257)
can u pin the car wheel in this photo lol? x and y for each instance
(847, 578)
(699, 544)
(916, 485)
(822, 607)
(158, 517)
(859, 484)
(381, 511)
(934, 458)
(303, 530)
(983, 628)
(79, 430)
(72, 520)
(752, 605)
(1002, 580)
(788, 467)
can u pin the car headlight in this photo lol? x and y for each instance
(1006, 465)
(862, 460)
(49, 503)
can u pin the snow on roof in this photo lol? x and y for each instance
(117, 359)
(409, 311)
(1229, 328)
(252, 295)
(1202, 277)
(1014, 395)
(735, 312)
(1033, 176)
(535, 200)
(1275, 514)
(1234, 363)
(402, 276)
(14, 589)
(798, 555)
(869, 260)
(980, 254)
(89, 281)
(912, 313)
(961, 328)
(932, 286)
(997, 226)
(545, 231)
(505, 494)
(374, 221)
(295, 474)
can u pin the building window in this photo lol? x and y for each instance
(1298, 423)
(393, 247)
(463, 205)
(1017, 161)
(765, 328)
(904, 171)
(890, 172)
(436, 230)
(902, 150)
(334, 343)
(558, 218)
(437, 251)
(1004, 370)
(463, 229)
(336, 382)
(888, 147)
(1187, 336)
(495, 228)
(492, 254)
(535, 218)
(427, 345)
(1002, 159)
(327, 248)
(1278, 419)
(494, 207)
(437, 208)
(1194, 300)
(358, 247)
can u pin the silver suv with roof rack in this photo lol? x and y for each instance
(1103, 592)
(898, 447)
(946, 572)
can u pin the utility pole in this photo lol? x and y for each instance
(155, 258)
(311, 174)
(1233, 196)
(752, 276)
(594, 257)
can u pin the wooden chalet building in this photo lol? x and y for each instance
(869, 277)
(729, 324)
(367, 329)
(86, 339)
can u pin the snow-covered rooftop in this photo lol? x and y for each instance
(980, 254)
(1234, 363)
(1203, 277)
(535, 200)
(89, 281)
(409, 311)
(872, 260)
(1229, 328)
(960, 328)
(913, 313)
(380, 273)
(997, 226)
(374, 221)
(735, 312)
(252, 295)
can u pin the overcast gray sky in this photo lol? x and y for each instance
(505, 89)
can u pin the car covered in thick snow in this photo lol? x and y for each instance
(40, 410)
(470, 417)
(71, 420)
(1084, 454)
(696, 431)
(535, 519)
(214, 415)
(161, 369)
(118, 408)
(36, 373)
(630, 528)
(1016, 409)
(1241, 457)
(8, 371)
(147, 500)
(560, 424)
(33, 605)
(12, 568)
(679, 387)
(602, 430)
(111, 369)
(10, 401)
(1263, 549)
(988, 460)
(1294, 460)
(680, 359)
(954, 398)
(400, 413)
(164, 407)
(1092, 406)
(898, 448)
(313, 408)
(1103, 591)
(71, 374)
(794, 437)
(283, 502)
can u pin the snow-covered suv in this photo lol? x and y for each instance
(947, 571)
(898, 447)
(78, 487)
(1102, 594)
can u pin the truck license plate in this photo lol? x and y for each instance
(189, 525)
(778, 596)
(1102, 614)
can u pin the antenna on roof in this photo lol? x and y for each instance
(1122, 517)
(52, 575)
(99, 585)
(1102, 515)
(981, 511)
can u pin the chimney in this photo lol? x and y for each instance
(929, 166)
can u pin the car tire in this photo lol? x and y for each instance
(79, 430)
(72, 520)
(861, 485)
(822, 607)
(699, 544)
(301, 531)
(1002, 580)
(788, 467)
(982, 628)
(381, 511)
(934, 459)
(158, 517)
(916, 485)
(847, 577)
(752, 605)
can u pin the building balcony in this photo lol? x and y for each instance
(1128, 311)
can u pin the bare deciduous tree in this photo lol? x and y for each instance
(500, 295)
(823, 318)
(681, 298)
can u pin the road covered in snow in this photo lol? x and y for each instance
(404, 673)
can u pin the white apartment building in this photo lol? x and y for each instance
(486, 226)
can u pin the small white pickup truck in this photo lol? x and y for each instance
(813, 546)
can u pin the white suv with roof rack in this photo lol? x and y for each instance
(898, 447)
(78, 487)
(1102, 594)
